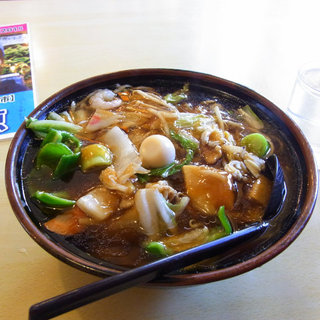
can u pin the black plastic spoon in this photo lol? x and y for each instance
(108, 286)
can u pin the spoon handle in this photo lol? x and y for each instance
(113, 284)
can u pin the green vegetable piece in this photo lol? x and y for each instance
(67, 163)
(157, 172)
(178, 207)
(71, 141)
(157, 249)
(95, 156)
(175, 98)
(52, 136)
(53, 201)
(216, 233)
(178, 166)
(56, 153)
(54, 116)
(189, 120)
(40, 134)
(250, 117)
(168, 170)
(46, 125)
(256, 143)
(178, 95)
(65, 137)
(224, 220)
(51, 153)
(186, 141)
(143, 178)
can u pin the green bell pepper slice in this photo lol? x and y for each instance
(65, 137)
(52, 136)
(53, 201)
(66, 164)
(71, 141)
(157, 249)
(51, 153)
(224, 220)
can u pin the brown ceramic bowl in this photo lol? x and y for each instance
(293, 151)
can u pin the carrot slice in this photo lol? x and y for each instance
(67, 223)
(124, 96)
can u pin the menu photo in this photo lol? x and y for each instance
(16, 84)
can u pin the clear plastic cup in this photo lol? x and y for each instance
(304, 105)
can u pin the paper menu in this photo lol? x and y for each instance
(16, 82)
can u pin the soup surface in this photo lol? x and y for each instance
(130, 175)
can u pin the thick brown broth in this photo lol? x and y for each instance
(120, 239)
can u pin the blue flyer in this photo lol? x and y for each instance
(16, 89)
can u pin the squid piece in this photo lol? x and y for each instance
(99, 203)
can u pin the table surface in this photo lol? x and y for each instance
(259, 44)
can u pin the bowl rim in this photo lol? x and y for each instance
(175, 280)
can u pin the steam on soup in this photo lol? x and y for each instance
(130, 175)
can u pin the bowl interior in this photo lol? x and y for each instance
(292, 149)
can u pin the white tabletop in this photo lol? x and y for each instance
(259, 44)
